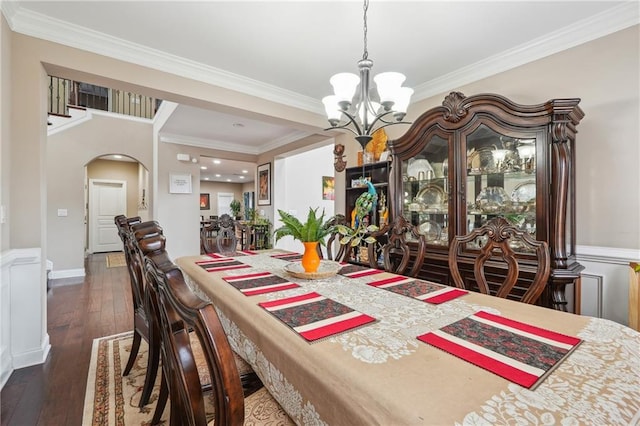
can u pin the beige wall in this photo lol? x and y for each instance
(5, 126)
(213, 188)
(605, 74)
(67, 155)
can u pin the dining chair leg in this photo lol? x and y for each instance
(152, 372)
(162, 401)
(134, 353)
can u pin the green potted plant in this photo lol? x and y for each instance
(235, 207)
(310, 234)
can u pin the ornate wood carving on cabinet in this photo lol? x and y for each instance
(477, 157)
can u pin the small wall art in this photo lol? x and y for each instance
(328, 191)
(204, 202)
(264, 184)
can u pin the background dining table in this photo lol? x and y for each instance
(380, 373)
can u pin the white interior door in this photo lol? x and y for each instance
(107, 199)
(224, 200)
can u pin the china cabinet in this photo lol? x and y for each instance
(477, 157)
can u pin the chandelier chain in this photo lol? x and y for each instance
(365, 54)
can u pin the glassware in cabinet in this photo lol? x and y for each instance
(426, 190)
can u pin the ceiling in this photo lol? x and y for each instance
(285, 51)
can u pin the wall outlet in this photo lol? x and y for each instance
(62, 213)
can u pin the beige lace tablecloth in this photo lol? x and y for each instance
(381, 374)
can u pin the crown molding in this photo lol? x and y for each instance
(230, 146)
(284, 140)
(600, 25)
(41, 26)
(37, 25)
(207, 143)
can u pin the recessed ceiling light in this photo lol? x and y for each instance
(117, 156)
(241, 177)
(228, 180)
(217, 161)
(203, 167)
(206, 178)
(245, 171)
(218, 175)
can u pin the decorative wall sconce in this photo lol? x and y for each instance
(339, 164)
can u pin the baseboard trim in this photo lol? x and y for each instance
(66, 273)
(39, 356)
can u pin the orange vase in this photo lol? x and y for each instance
(310, 257)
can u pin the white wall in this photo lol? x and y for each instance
(299, 187)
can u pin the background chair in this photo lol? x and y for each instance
(395, 250)
(208, 235)
(496, 241)
(344, 250)
(226, 240)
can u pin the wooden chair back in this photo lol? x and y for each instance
(344, 250)
(208, 237)
(180, 311)
(131, 231)
(396, 252)
(497, 237)
(226, 241)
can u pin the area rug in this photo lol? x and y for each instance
(111, 399)
(115, 260)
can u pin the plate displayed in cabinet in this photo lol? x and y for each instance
(524, 192)
(430, 229)
(432, 195)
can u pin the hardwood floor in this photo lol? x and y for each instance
(53, 393)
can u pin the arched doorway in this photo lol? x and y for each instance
(115, 184)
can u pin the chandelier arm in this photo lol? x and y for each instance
(352, 120)
(380, 118)
(343, 127)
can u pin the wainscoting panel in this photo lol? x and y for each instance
(24, 340)
(605, 281)
(591, 291)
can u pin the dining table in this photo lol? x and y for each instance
(363, 346)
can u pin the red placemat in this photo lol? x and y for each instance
(357, 271)
(259, 283)
(287, 256)
(314, 316)
(234, 254)
(222, 264)
(418, 289)
(519, 352)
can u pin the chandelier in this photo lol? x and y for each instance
(365, 111)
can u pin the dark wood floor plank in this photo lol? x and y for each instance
(53, 393)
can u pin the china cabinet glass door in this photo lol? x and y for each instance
(500, 179)
(425, 186)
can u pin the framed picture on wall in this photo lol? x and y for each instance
(179, 183)
(204, 202)
(328, 192)
(264, 184)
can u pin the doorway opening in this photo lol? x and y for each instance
(115, 184)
